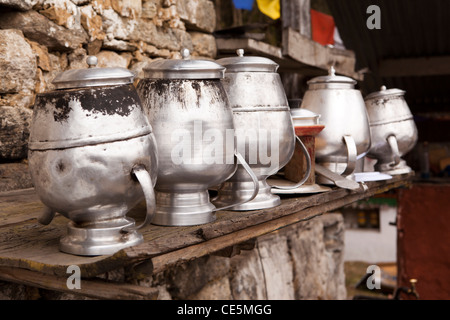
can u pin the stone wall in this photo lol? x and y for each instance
(302, 261)
(40, 38)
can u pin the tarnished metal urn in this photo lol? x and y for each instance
(393, 130)
(264, 129)
(92, 157)
(189, 111)
(346, 136)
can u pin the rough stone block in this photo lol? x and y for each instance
(77, 59)
(119, 45)
(127, 8)
(318, 269)
(62, 12)
(214, 290)
(192, 276)
(92, 23)
(247, 277)
(14, 132)
(162, 38)
(101, 5)
(23, 5)
(17, 63)
(42, 55)
(117, 27)
(204, 44)
(38, 28)
(198, 14)
(150, 8)
(111, 59)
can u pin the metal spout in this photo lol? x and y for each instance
(409, 291)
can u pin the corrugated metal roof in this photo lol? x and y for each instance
(409, 29)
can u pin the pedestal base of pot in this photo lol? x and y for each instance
(101, 238)
(389, 168)
(183, 209)
(236, 192)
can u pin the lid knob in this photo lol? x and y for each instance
(332, 71)
(383, 88)
(92, 61)
(240, 52)
(185, 54)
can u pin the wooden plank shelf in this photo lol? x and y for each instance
(298, 54)
(25, 244)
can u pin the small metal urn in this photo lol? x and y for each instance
(189, 111)
(264, 129)
(346, 136)
(393, 130)
(92, 157)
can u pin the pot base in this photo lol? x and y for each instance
(236, 192)
(183, 209)
(388, 168)
(101, 238)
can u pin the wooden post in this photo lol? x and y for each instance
(296, 15)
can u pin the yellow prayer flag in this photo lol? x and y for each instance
(270, 8)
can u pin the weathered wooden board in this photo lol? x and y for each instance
(28, 245)
(304, 50)
(97, 289)
(298, 54)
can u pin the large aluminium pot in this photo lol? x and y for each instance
(393, 130)
(264, 129)
(346, 136)
(92, 157)
(191, 117)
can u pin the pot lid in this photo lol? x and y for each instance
(304, 116)
(248, 64)
(384, 92)
(185, 68)
(332, 78)
(92, 76)
(304, 113)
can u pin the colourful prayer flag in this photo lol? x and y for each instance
(270, 8)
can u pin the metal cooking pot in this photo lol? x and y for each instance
(264, 129)
(346, 136)
(393, 130)
(92, 157)
(189, 111)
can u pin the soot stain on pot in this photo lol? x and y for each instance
(166, 90)
(116, 100)
(198, 90)
(113, 100)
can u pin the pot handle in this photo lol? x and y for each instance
(146, 183)
(46, 216)
(249, 170)
(392, 141)
(308, 168)
(351, 155)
